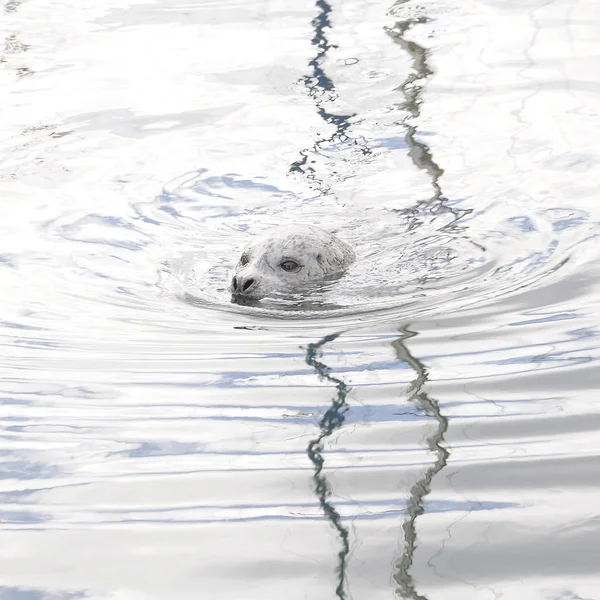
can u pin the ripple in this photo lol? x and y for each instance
(421, 427)
(184, 243)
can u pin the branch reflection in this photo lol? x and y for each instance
(412, 91)
(321, 89)
(331, 420)
(421, 488)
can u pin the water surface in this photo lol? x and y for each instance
(427, 428)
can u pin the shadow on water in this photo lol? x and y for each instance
(420, 489)
(322, 89)
(331, 420)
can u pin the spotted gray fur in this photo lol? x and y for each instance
(320, 257)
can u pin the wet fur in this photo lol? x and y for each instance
(322, 257)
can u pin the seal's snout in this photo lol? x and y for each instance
(243, 285)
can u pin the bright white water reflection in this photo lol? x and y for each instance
(425, 428)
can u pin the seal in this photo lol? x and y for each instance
(288, 259)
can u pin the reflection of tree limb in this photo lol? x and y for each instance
(418, 492)
(332, 420)
(412, 88)
(322, 89)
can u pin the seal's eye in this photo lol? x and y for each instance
(244, 260)
(289, 265)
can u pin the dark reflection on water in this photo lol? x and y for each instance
(332, 420)
(418, 491)
(322, 91)
(412, 91)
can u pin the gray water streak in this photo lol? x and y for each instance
(331, 420)
(417, 493)
(12, 44)
(321, 89)
(412, 91)
(12, 5)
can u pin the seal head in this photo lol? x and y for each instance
(288, 259)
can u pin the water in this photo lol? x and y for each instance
(426, 428)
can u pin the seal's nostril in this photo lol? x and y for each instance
(234, 283)
(247, 284)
